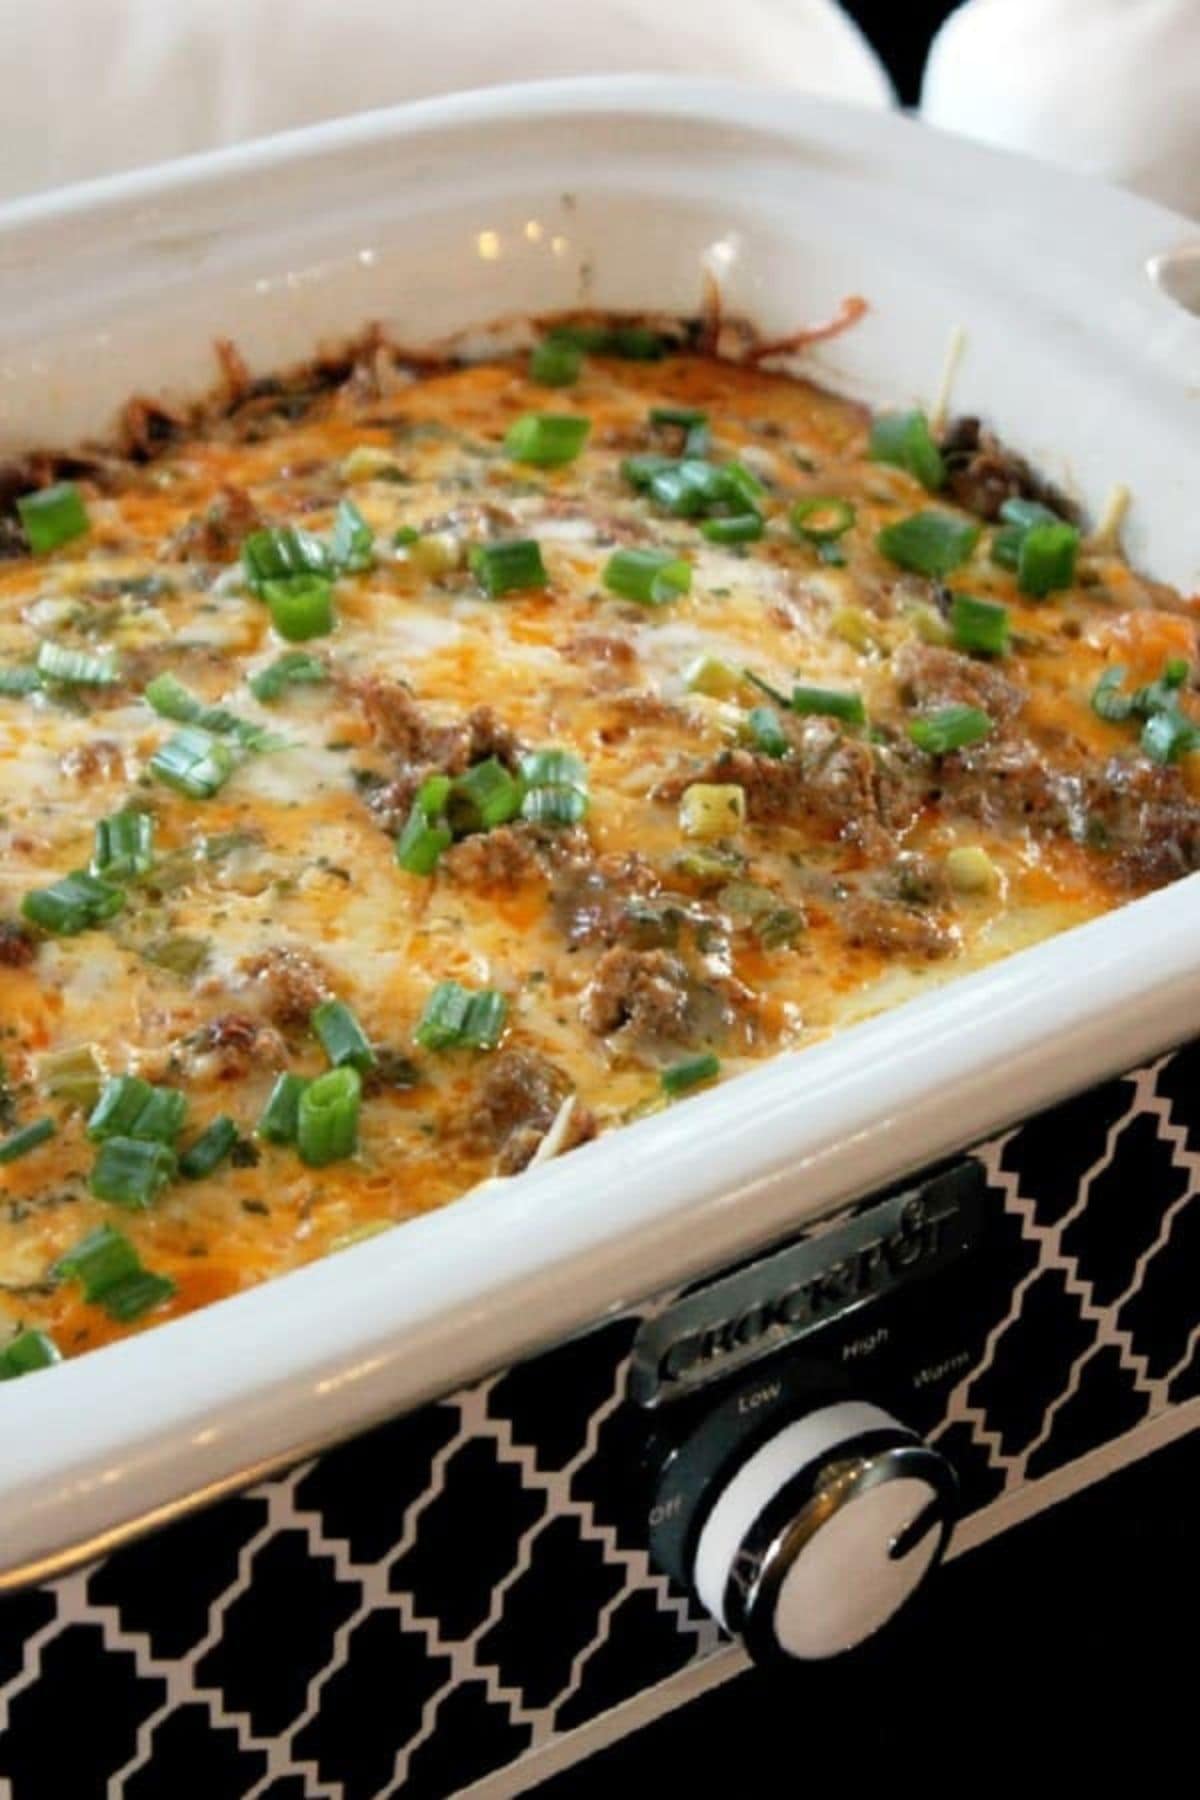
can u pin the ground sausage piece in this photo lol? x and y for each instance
(611, 661)
(217, 534)
(590, 898)
(17, 948)
(517, 1102)
(931, 677)
(292, 983)
(229, 1047)
(395, 719)
(502, 858)
(397, 722)
(981, 474)
(1147, 816)
(100, 760)
(645, 989)
(897, 930)
(829, 777)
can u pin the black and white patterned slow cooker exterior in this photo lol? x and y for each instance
(428, 1604)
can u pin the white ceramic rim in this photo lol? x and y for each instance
(130, 1435)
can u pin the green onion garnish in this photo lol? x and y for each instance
(690, 1073)
(131, 1172)
(75, 668)
(554, 806)
(979, 625)
(555, 787)
(73, 1075)
(171, 700)
(20, 680)
(738, 528)
(686, 417)
(928, 543)
(210, 1149)
(301, 608)
(29, 1137)
(905, 440)
(295, 668)
(508, 568)
(1168, 735)
(178, 953)
(110, 1272)
(547, 440)
(27, 1352)
(421, 843)
(554, 363)
(193, 762)
(72, 904)
(133, 1108)
(639, 471)
(689, 487)
(53, 516)
(952, 728)
(278, 1123)
(282, 554)
(1046, 559)
(455, 1018)
(1019, 517)
(485, 796)
(404, 535)
(829, 703)
(124, 846)
(327, 1122)
(636, 343)
(765, 731)
(822, 518)
(651, 577)
(352, 542)
(342, 1037)
(554, 768)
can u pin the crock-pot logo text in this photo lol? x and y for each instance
(786, 1296)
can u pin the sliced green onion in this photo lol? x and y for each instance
(352, 542)
(652, 577)
(1168, 735)
(124, 846)
(421, 843)
(635, 343)
(981, 625)
(689, 487)
(709, 675)
(178, 953)
(327, 1121)
(27, 1352)
(738, 528)
(136, 1294)
(554, 806)
(98, 1262)
(485, 796)
(172, 700)
(822, 518)
(829, 703)
(554, 768)
(29, 1137)
(952, 728)
(302, 607)
(508, 568)
(554, 363)
(133, 1108)
(295, 668)
(75, 668)
(193, 762)
(53, 516)
(1108, 702)
(639, 471)
(455, 1018)
(547, 440)
(929, 543)
(712, 809)
(342, 1037)
(1019, 516)
(690, 1073)
(1046, 559)
(210, 1149)
(73, 1075)
(280, 1117)
(21, 680)
(110, 1272)
(904, 439)
(73, 904)
(741, 484)
(404, 535)
(282, 553)
(686, 417)
(765, 732)
(131, 1172)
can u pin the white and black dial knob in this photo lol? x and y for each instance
(805, 1539)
